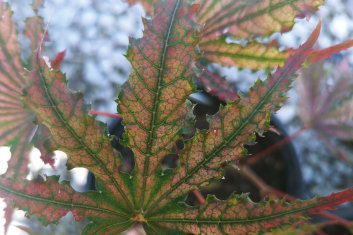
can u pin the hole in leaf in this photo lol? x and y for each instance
(82, 180)
(170, 161)
(180, 144)
(232, 181)
(202, 123)
(5, 157)
(190, 134)
(128, 160)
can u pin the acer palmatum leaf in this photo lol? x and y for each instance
(154, 107)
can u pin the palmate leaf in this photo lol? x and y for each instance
(153, 104)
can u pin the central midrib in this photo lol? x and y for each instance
(156, 103)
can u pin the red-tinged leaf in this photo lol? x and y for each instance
(326, 108)
(73, 131)
(238, 215)
(152, 102)
(16, 126)
(254, 55)
(49, 201)
(317, 55)
(216, 85)
(251, 19)
(55, 64)
(232, 127)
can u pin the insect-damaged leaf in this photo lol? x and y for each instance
(153, 105)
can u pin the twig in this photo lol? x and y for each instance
(277, 145)
(199, 196)
(107, 114)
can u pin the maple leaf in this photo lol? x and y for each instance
(326, 106)
(153, 104)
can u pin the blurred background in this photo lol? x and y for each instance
(95, 35)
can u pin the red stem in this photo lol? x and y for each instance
(107, 114)
(199, 196)
(277, 145)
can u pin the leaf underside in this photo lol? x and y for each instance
(153, 106)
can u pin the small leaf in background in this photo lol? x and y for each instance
(326, 102)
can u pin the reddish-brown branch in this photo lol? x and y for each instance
(276, 146)
(107, 114)
(199, 196)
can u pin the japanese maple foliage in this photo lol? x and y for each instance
(153, 104)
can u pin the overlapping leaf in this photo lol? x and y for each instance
(153, 99)
(16, 122)
(249, 20)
